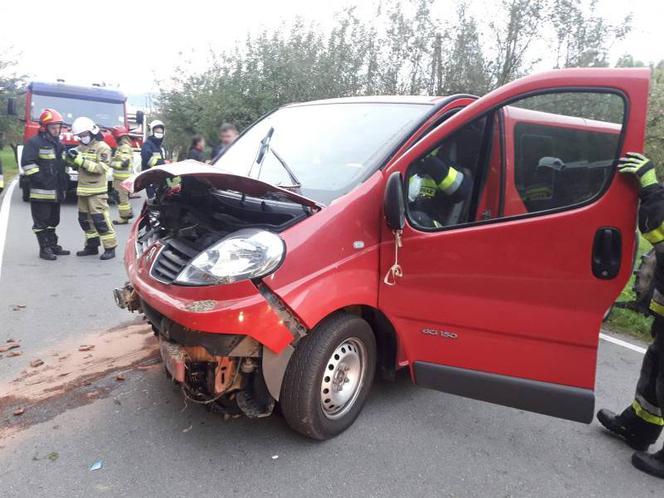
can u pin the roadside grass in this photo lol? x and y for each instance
(9, 168)
(628, 321)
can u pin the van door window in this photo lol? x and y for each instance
(539, 154)
(447, 184)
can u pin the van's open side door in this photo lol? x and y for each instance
(506, 305)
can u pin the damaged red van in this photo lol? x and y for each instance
(317, 252)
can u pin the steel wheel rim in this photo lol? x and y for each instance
(343, 378)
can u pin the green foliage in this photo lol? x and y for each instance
(406, 48)
(10, 82)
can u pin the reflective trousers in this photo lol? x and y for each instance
(124, 207)
(645, 412)
(94, 218)
(45, 218)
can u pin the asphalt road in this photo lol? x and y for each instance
(407, 442)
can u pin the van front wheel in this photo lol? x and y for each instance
(329, 377)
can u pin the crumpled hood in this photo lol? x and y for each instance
(216, 178)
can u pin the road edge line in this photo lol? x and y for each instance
(620, 342)
(4, 218)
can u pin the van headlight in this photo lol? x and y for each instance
(245, 254)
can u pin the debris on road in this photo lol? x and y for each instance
(12, 354)
(19, 411)
(188, 428)
(9, 346)
(120, 377)
(52, 456)
(96, 466)
(274, 457)
(19, 307)
(36, 363)
(86, 347)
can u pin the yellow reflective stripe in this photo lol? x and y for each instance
(648, 178)
(47, 156)
(91, 235)
(42, 196)
(655, 236)
(121, 175)
(643, 414)
(656, 307)
(449, 179)
(85, 192)
(107, 236)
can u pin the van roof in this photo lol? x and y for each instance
(375, 99)
(77, 92)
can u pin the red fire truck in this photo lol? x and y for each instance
(106, 107)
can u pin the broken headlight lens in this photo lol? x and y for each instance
(245, 254)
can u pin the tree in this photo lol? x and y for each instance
(522, 24)
(466, 69)
(583, 37)
(10, 82)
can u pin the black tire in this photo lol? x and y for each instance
(301, 397)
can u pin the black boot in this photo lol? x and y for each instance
(650, 463)
(637, 433)
(58, 250)
(108, 254)
(88, 251)
(47, 254)
(121, 221)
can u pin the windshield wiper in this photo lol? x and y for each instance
(263, 149)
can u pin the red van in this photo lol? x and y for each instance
(307, 259)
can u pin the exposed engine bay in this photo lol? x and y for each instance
(222, 371)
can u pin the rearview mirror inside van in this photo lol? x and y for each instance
(393, 203)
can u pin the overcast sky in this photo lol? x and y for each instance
(133, 43)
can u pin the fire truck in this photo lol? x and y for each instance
(106, 107)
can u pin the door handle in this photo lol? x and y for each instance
(607, 253)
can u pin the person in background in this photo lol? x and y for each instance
(227, 135)
(122, 169)
(197, 148)
(92, 158)
(2, 180)
(44, 167)
(152, 152)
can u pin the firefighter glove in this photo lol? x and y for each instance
(639, 166)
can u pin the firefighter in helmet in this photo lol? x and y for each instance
(93, 160)
(641, 423)
(45, 171)
(121, 164)
(433, 187)
(152, 152)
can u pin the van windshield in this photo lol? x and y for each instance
(329, 148)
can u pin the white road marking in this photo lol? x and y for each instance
(4, 218)
(622, 343)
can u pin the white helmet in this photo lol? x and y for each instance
(156, 123)
(83, 124)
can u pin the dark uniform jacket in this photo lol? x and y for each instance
(152, 153)
(196, 154)
(44, 166)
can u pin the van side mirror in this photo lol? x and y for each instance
(140, 117)
(393, 203)
(11, 106)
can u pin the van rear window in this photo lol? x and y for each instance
(556, 167)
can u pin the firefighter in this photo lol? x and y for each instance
(121, 164)
(152, 152)
(45, 170)
(641, 423)
(92, 158)
(433, 187)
